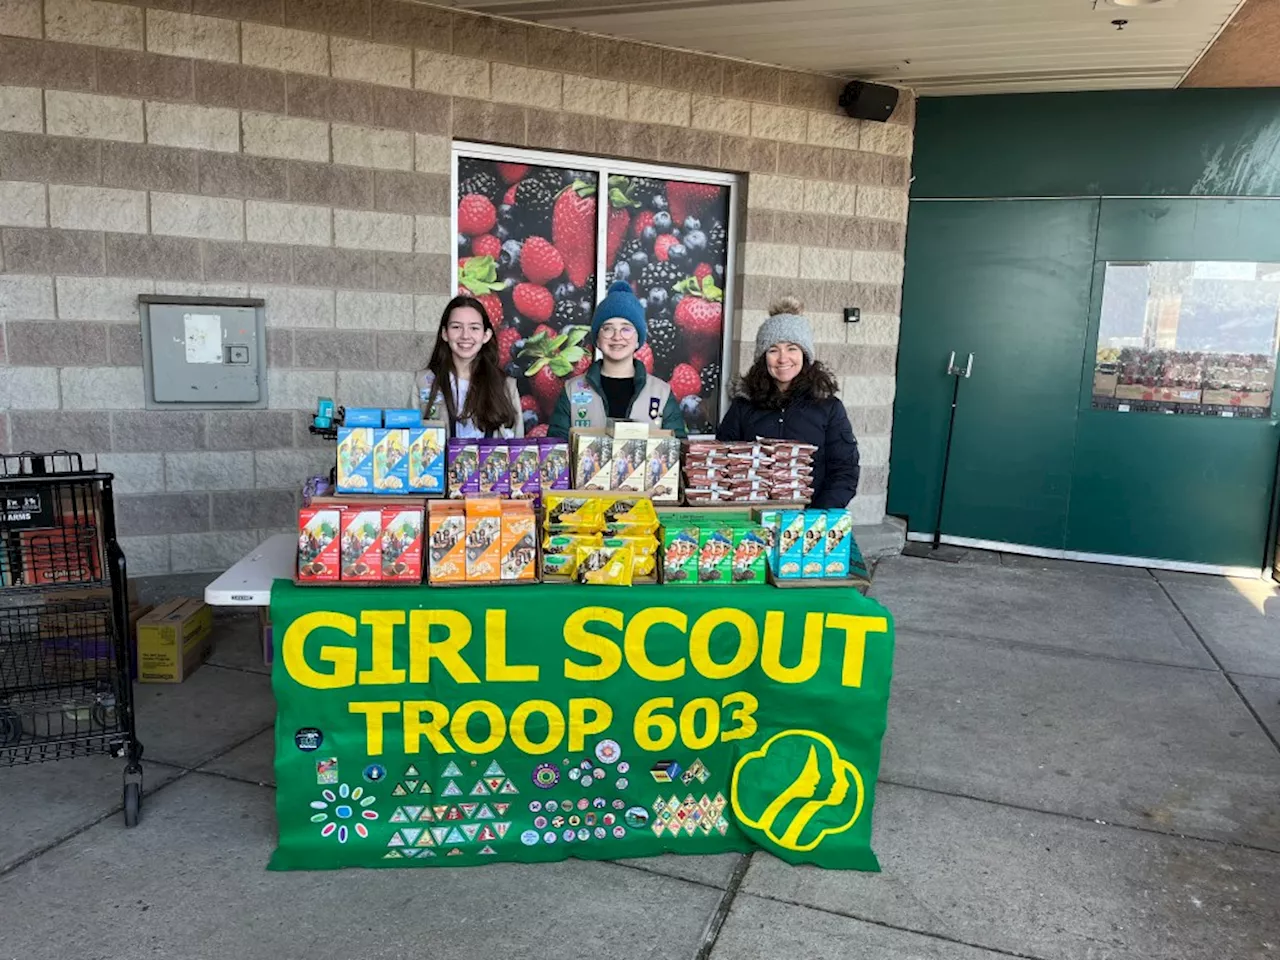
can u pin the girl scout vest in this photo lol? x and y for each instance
(586, 407)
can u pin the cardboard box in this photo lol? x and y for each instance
(361, 543)
(838, 541)
(789, 548)
(79, 620)
(406, 417)
(318, 543)
(526, 480)
(362, 417)
(680, 552)
(426, 458)
(592, 460)
(630, 465)
(815, 544)
(1104, 384)
(402, 544)
(554, 471)
(663, 482)
(750, 555)
(484, 538)
(446, 543)
(627, 429)
(715, 554)
(495, 467)
(61, 555)
(464, 467)
(173, 640)
(355, 459)
(391, 460)
(519, 541)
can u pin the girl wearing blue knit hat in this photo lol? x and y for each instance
(789, 395)
(616, 386)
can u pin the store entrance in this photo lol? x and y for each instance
(1120, 404)
(1007, 282)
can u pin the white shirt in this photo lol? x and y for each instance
(463, 428)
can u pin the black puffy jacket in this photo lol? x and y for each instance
(820, 422)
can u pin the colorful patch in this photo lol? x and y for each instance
(308, 739)
(608, 751)
(327, 770)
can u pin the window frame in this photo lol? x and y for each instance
(603, 167)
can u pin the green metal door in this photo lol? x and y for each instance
(1187, 489)
(1008, 282)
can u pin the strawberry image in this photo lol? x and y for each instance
(643, 219)
(702, 271)
(512, 172)
(533, 301)
(546, 388)
(539, 431)
(573, 230)
(476, 214)
(529, 403)
(663, 245)
(619, 220)
(689, 198)
(554, 356)
(685, 381)
(478, 277)
(700, 312)
(507, 339)
(620, 204)
(541, 261)
(645, 356)
(493, 307)
(510, 196)
(486, 245)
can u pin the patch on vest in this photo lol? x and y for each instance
(655, 409)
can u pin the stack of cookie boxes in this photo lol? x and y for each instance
(370, 532)
(482, 541)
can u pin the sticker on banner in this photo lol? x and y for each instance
(308, 739)
(608, 751)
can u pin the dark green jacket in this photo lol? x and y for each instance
(648, 389)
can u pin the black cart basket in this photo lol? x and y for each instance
(66, 661)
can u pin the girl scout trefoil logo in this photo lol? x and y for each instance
(796, 790)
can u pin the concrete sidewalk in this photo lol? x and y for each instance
(1082, 763)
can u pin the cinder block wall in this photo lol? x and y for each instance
(298, 150)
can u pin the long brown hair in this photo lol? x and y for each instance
(813, 382)
(488, 404)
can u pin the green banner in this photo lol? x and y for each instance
(450, 727)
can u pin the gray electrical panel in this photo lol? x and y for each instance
(202, 353)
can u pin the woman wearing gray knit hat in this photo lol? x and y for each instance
(789, 395)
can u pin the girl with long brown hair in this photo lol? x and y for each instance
(463, 384)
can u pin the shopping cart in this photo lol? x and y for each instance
(65, 656)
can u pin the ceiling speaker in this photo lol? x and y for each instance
(868, 101)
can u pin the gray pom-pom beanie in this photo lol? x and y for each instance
(786, 324)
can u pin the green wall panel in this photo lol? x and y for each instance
(1116, 143)
(1009, 283)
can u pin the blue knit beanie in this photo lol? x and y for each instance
(621, 304)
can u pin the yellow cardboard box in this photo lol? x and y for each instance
(173, 640)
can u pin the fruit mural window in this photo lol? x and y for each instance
(539, 237)
(1196, 338)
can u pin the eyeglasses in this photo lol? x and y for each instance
(621, 332)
